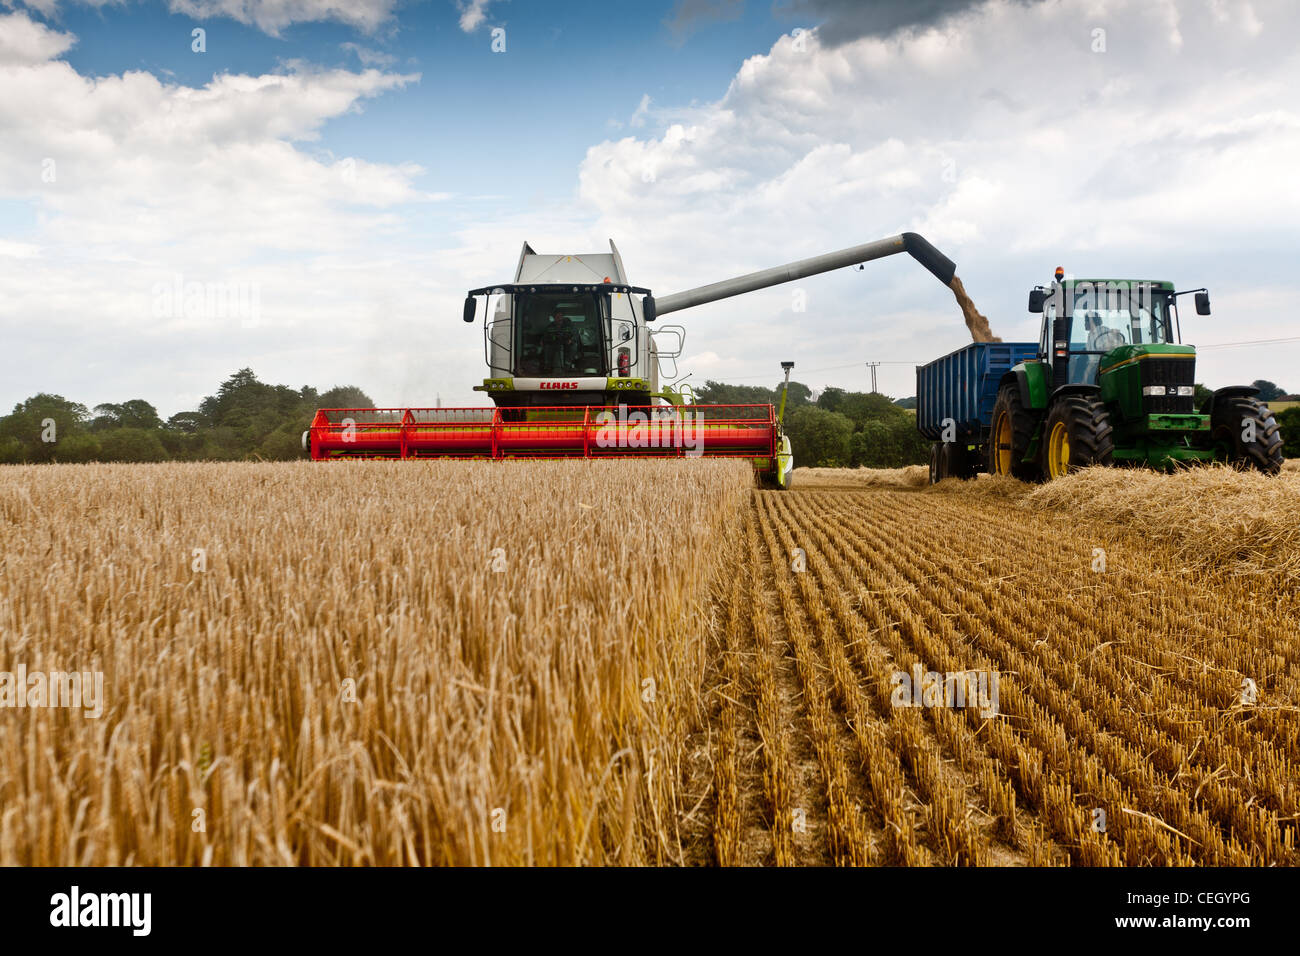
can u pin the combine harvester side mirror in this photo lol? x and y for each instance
(648, 308)
(470, 307)
(1037, 297)
(1202, 303)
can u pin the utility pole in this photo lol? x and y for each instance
(872, 366)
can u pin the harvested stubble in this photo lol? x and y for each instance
(912, 476)
(1121, 691)
(498, 717)
(1209, 517)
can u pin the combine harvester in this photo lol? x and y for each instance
(573, 372)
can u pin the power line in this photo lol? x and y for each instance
(1237, 345)
(813, 371)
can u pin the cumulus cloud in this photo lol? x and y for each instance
(846, 20)
(641, 111)
(23, 41)
(368, 56)
(1012, 135)
(272, 16)
(131, 184)
(1015, 137)
(473, 13)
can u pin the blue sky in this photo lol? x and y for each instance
(482, 124)
(354, 167)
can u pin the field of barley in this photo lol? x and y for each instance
(648, 663)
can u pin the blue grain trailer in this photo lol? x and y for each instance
(954, 404)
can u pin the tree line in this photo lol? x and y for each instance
(837, 428)
(245, 419)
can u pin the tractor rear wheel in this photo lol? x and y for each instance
(1077, 434)
(1012, 431)
(1246, 429)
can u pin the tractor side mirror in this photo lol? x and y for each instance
(470, 306)
(648, 308)
(1037, 297)
(1202, 303)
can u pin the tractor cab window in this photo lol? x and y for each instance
(1107, 319)
(559, 335)
(1149, 320)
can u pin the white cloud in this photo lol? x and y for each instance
(23, 41)
(131, 182)
(272, 16)
(473, 13)
(1000, 136)
(368, 56)
(642, 110)
(1003, 138)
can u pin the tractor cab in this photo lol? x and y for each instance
(1120, 335)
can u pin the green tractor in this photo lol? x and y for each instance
(1111, 385)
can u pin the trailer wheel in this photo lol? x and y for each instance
(951, 460)
(1240, 418)
(1009, 438)
(961, 461)
(1077, 434)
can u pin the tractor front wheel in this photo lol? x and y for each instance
(1077, 434)
(1248, 434)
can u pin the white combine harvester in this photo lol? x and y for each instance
(574, 372)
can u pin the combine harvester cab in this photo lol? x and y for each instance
(574, 370)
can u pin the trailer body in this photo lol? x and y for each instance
(962, 386)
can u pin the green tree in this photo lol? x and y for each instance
(1268, 392)
(1289, 422)
(78, 447)
(34, 429)
(799, 394)
(342, 396)
(873, 446)
(136, 413)
(187, 422)
(910, 447)
(865, 407)
(717, 393)
(283, 444)
(818, 437)
(831, 399)
(11, 450)
(130, 444)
